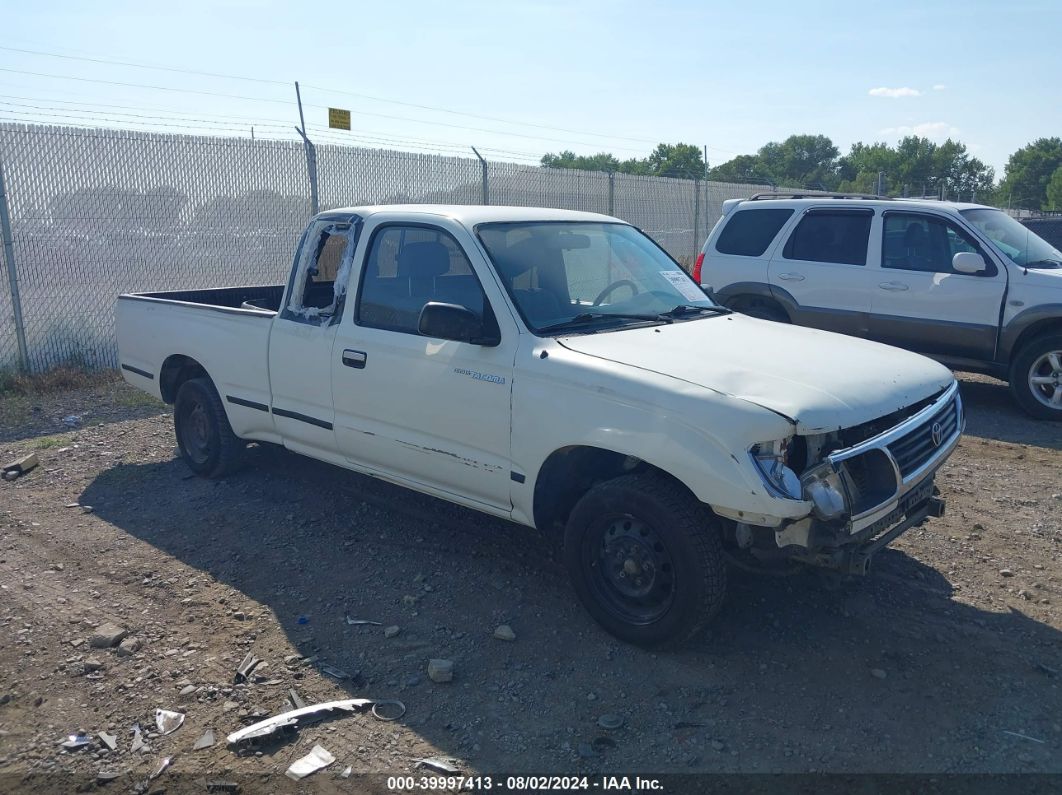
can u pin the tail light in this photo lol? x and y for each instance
(697, 267)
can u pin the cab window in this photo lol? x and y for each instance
(407, 267)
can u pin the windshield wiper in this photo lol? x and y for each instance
(588, 317)
(686, 309)
(1044, 263)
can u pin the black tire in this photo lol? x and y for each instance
(1035, 355)
(764, 311)
(204, 435)
(666, 573)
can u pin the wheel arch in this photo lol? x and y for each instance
(177, 369)
(1028, 326)
(569, 472)
(744, 293)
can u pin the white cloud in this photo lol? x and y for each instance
(928, 129)
(895, 93)
(939, 87)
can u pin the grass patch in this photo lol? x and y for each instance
(49, 442)
(17, 384)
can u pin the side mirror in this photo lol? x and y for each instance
(454, 322)
(968, 262)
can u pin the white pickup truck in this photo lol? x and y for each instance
(559, 369)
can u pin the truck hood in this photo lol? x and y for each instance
(819, 380)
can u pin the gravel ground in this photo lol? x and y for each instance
(946, 659)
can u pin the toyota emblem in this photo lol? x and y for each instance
(938, 434)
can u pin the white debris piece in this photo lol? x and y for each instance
(167, 721)
(317, 759)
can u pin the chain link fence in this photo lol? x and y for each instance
(99, 212)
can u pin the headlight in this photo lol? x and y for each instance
(824, 488)
(770, 460)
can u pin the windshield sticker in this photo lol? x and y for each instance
(681, 282)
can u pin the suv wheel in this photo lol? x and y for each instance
(1036, 377)
(646, 559)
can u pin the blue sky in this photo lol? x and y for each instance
(616, 76)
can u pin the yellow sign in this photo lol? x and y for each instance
(339, 119)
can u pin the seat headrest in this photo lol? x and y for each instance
(423, 260)
(915, 236)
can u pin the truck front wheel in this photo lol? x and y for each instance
(204, 435)
(1036, 377)
(646, 559)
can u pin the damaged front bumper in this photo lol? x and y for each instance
(886, 483)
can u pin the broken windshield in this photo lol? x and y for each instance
(588, 276)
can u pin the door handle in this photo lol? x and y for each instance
(894, 287)
(791, 277)
(355, 359)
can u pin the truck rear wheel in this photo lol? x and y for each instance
(646, 559)
(204, 435)
(1036, 377)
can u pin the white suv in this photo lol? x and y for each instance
(963, 283)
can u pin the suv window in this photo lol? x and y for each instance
(407, 267)
(831, 236)
(925, 243)
(748, 233)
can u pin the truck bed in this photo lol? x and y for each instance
(262, 297)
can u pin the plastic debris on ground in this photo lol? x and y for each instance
(310, 714)
(205, 741)
(138, 739)
(442, 764)
(167, 721)
(245, 668)
(163, 764)
(317, 759)
(77, 741)
(357, 622)
(108, 740)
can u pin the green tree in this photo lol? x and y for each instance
(1028, 172)
(743, 168)
(802, 161)
(603, 161)
(1054, 190)
(667, 160)
(684, 161)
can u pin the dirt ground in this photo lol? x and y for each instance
(946, 659)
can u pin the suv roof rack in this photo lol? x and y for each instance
(762, 196)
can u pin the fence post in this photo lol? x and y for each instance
(612, 193)
(696, 216)
(12, 275)
(486, 177)
(311, 156)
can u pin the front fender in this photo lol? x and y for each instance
(699, 437)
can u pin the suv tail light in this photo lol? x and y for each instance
(697, 267)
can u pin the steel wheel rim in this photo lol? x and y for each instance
(630, 570)
(195, 432)
(1045, 379)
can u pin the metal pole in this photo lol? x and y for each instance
(12, 276)
(612, 193)
(486, 177)
(311, 156)
(881, 183)
(696, 214)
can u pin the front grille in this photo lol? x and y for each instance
(916, 448)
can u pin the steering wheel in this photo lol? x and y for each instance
(601, 296)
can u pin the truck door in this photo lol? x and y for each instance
(823, 269)
(921, 303)
(427, 411)
(300, 343)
